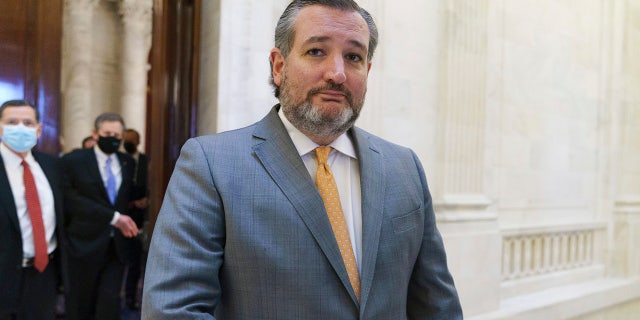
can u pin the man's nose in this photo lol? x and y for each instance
(335, 70)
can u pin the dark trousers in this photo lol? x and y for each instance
(134, 271)
(93, 291)
(38, 294)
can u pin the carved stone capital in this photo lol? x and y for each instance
(80, 5)
(136, 11)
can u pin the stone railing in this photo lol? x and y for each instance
(541, 251)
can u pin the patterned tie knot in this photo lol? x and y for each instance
(322, 153)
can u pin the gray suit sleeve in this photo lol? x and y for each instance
(186, 250)
(432, 294)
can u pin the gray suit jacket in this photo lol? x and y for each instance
(243, 234)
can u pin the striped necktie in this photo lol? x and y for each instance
(111, 182)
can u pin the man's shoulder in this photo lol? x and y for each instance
(77, 153)
(41, 156)
(375, 141)
(124, 155)
(234, 136)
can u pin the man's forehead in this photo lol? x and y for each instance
(18, 112)
(107, 125)
(130, 134)
(318, 23)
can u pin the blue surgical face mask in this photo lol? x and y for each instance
(18, 137)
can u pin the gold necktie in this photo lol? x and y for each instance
(329, 192)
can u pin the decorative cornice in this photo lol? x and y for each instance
(138, 12)
(80, 5)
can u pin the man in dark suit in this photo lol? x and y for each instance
(98, 189)
(138, 211)
(302, 215)
(31, 219)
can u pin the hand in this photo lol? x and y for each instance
(127, 226)
(141, 203)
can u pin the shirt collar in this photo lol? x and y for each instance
(100, 155)
(304, 145)
(12, 160)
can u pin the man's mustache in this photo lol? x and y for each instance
(332, 87)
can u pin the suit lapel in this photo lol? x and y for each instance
(372, 190)
(6, 198)
(94, 171)
(126, 172)
(48, 167)
(278, 155)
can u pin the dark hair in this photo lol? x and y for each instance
(19, 103)
(86, 139)
(136, 133)
(107, 116)
(285, 31)
(133, 131)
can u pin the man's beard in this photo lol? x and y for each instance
(309, 119)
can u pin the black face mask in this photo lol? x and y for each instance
(130, 147)
(108, 145)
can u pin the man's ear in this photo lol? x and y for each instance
(39, 131)
(277, 65)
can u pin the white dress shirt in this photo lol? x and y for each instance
(15, 173)
(115, 169)
(344, 166)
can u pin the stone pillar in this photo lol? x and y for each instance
(469, 228)
(76, 117)
(245, 39)
(626, 257)
(136, 42)
(625, 101)
(209, 66)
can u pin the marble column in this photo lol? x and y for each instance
(76, 116)
(136, 42)
(625, 102)
(209, 65)
(626, 258)
(464, 106)
(462, 205)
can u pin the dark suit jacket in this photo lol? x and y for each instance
(88, 211)
(243, 234)
(141, 189)
(10, 234)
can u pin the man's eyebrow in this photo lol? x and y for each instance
(318, 39)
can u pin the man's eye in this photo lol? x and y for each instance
(26, 123)
(354, 57)
(315, 52)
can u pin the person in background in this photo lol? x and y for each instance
(138, 212)
(302, 215)
(31, 218)
(98, 189)
(88, 142)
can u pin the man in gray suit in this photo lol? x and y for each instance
(250, 227)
